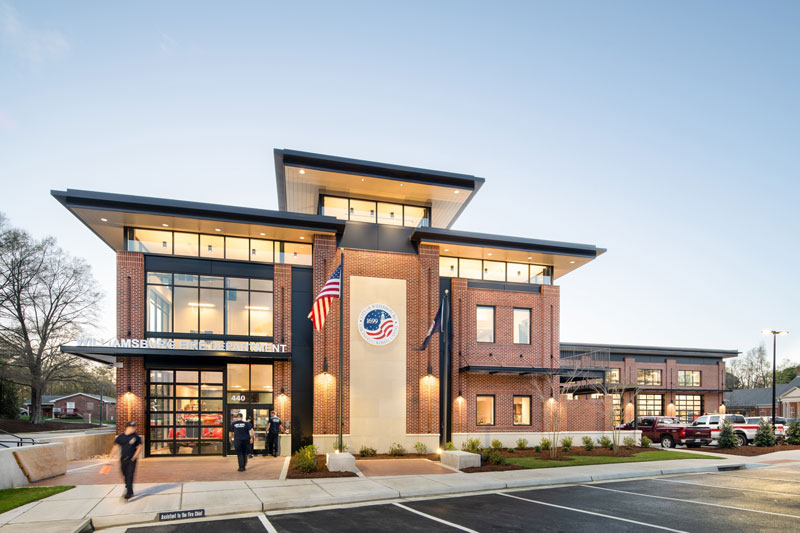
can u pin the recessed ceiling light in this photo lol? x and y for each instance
(362, 179)
(456, 191)
(530, 258)
(262, 234)
(572, 262)
(401, 184)
(303, 238)
(446, 249)
(103, 220)
(489, 254)
(165, 225)
(302, 171)
(217, 229)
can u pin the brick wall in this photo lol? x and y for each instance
(85, 405)
(130, 325)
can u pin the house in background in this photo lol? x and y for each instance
(47, 405)
(79, 402)
(758, 402)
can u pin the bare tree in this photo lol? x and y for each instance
(752, 370)
(47, 298)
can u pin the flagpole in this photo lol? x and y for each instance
(340, 388)
(444, 372)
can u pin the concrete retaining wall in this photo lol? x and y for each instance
(10, 473)
(509, 440)
(26, 464)
(83, 446)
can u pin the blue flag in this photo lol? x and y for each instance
(436, 327)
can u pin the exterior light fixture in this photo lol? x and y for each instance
(302, 171)
(103, 220)
(774, 333)
(262, 234)
(572, 262)
(430, 370)
(401, 184)
(446, 249)
(165, 225)
(302, 238)
(456, 191)
(439, 451)
(529, 258)
(325, 366)
(362, 179)
(489, 254)
(217, 229)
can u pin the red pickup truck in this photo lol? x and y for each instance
(670, 431)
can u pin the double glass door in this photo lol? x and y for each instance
(259, 416)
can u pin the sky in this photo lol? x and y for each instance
(665, 132)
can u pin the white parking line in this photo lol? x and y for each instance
(754, 477)
(267, 524)
(721, 487)
(691, 501)
(435, 519)
(591, 513)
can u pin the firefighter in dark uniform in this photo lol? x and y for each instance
(273, 430)
(129, 445)
(242, 436)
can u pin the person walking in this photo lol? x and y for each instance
(241, 434)
(251, 444)
(273, 430)
(128, 445)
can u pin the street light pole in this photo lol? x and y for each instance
(774, 334)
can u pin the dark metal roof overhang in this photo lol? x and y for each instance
(122, 210)
(109, 355)
(616, 389)
(520, 370)
(623, 349)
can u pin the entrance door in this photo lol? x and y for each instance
(259, 415)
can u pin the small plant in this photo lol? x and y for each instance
(566, 444)
(421, 448)
(449, 446)
(511, 450)
(397, 449)
(546, 444)
(522, 444)
(793, 432)
(646, 442)
(727, 439)
(345, 447)
(493, 457)
(537, 448)
(496, 444)
(629, 442)
(366, 451)
(765, 435)
(588, 443)
(605, 442)
(471, 445)
(305, 459)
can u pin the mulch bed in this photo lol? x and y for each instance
(322, 471)
(492, 468)
(23, 426)
(545, 455)
(430, 456)
(750, 451)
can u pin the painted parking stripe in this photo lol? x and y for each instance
(267, 524)
(754, 477)
(692, 501)
(722, 487)
(592, 513)
(435, 519)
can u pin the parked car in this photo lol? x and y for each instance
(23, 411)
(72, 414)
(780, 424)
(745, 432)
(670, 431)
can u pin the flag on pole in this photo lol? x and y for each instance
(322, 304)
(436, 327)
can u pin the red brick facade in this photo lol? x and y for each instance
(86, 405)
(130, 325)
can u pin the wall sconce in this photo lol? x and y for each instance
(430, 371)
(325, 366)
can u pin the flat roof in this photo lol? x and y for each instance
(627, 349)
(121, 210)
(301, 177)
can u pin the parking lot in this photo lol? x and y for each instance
(765, 499)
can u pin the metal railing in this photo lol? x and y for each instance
(16, 440)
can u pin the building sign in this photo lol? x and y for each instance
(181, 515)
(185, 344)
(378, 324)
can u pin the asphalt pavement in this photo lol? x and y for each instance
(757, 500)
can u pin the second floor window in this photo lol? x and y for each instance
(649, 377)
(688, 378)
(522, 326)
(411, 216)
(485, 319)
(612, 376)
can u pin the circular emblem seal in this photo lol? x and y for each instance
(378, 324)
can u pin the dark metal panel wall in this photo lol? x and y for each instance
(302, 359)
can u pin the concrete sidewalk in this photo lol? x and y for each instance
(105, 507)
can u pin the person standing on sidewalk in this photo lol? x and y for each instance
(242, 435)
(250, 445)
(273, 431)
(129, 445)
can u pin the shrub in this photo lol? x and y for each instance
(566, 444)
(449, 446)
(493, 457)
(496, 444)
(345, 447)
(588, 443)
(421, 448)
(629, 442)
(546, 444)
(396, 449)
(511, 450)
(366, 451)
(727, 439)
(305, 459)
(765, 435)
(471, 445)
(605, 442)
(522, 444)
(646, 442)
(793, 432)
(537, 448)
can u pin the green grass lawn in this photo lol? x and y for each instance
(12, 498)
(579, 460)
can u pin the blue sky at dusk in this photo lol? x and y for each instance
(665, 132)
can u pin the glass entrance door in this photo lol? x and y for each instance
(259, 416)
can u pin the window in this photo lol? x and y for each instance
(517, 273)
(448, 267)
(470, 268)
(494, 271)
(250, 383)
(688, 407)
(616, 403)
(452, 267)
(335, 207)
(381, 212)
(484, 410)
(522, 410)
(212, 246)
(688, 378)
(541, 275)
(362, 211)
(296, 254)
(186, 244)
(522, 326)
(612, 376)
(648, 377)
(485, 329)
(150, 241)
(650, 404)
(391, 214)
(415, 217)
(209, 305)
(237, 248)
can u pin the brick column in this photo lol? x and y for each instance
(130, 325)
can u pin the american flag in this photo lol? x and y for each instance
(322, 304)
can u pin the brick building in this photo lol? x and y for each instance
(758, 402)
(212, 305)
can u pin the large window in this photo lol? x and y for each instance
(612, 376)
(688, 407)
(522, 326)
(648, 377)
(650, 404)
(454, 267)
(522, 410)
(411, 216)
(485, 318)
(688, 378)
(484, 410)
(185, 412)
(218, 247)
(616, 403)
(209, 305)
(250, 384)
